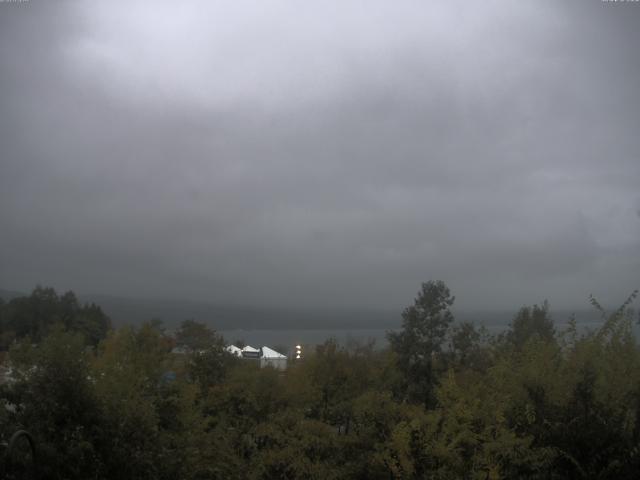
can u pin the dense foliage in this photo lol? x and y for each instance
(34, 316)
(444, 401)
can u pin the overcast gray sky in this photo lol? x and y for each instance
(322, 152)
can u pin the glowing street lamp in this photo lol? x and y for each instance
(298, 352)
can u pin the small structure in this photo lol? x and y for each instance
(268, 357)
(235, 351)
(271, 358)
(250, 352)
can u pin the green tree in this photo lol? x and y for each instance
(207, 360)
(468, 347)
(419, 344)
(35, 315)
(56, 401)
(209, 367)
(127, 373)
(195, 335)
(530, 322)
(91, 322)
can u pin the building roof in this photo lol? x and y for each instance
(249, 348)
(269, 353)
(233, 350)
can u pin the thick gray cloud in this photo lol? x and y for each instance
(326, 153)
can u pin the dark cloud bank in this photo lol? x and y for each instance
(330, 155)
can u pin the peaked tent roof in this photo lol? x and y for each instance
(233, 350)
(249, 348)
(269, 353)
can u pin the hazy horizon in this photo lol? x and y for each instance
(257, 318)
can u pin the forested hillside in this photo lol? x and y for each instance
(446, 400)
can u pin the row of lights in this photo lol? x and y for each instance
(298, 352)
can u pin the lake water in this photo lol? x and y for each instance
(288, 338)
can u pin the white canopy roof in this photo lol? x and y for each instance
(269, 353)
(233, 350)
(249, 348)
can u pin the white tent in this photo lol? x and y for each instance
(233, 350)
(271, 358)
(250, 352)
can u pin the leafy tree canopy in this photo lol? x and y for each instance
(35, 315)
(425, 325)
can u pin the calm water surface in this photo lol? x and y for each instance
(288, 338)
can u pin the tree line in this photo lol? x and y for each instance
(444, 400)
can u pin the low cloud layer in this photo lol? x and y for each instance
(333, 154)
